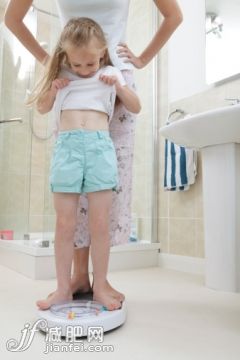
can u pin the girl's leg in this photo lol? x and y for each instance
(66, 210)
(122, 130)
(82, 242)
(99, 210)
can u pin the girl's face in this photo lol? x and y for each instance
(85, 60)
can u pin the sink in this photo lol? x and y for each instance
(219, 126)
(217, 134)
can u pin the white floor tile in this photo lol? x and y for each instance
(171, 316)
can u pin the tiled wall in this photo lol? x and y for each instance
(15, 143)
(180, 215)
(140, 13)
(181, 227)
(31, 196)
(41, 215)
(140, 27)
(24, 158)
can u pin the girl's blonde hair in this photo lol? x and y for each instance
(77, 32)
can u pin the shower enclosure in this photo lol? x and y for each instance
(26, 208)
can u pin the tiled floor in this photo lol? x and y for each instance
(171, 316)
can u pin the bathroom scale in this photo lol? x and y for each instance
(82, 313)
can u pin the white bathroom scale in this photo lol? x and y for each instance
(82, 314)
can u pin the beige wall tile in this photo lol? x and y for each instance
(182, 240)
(16, 202)
(163, 202)
(163, 234)
(37, 195)
(199, 228)
(38, 157)
(144, 226)
(182, 203)
(36, 223)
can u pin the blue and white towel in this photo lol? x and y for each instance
(180, 167)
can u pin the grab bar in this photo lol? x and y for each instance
(181, 114)
(11, 120)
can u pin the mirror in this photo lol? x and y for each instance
(222, 39)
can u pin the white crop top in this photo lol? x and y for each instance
(86, 93)
(111, 15)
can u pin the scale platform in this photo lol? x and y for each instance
(82, 313)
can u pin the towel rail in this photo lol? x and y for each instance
(18, 119)
(181, 112)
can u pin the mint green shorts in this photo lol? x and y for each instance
(83, 161)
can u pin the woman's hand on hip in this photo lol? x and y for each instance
(124, 52)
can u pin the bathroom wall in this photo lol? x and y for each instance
(15, 138)
(181, 227)
(34, 192)
(24, 158)
(140, 29)
(140, 13)
(41, 215)
(186, 49)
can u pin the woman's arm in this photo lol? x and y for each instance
(13, 19)
(172, 18)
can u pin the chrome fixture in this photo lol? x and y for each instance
(11, 120)
(234, 101)
(214, 24)
(181, 114)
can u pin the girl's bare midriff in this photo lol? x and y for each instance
(83, 119)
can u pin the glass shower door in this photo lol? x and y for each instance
(140, 32)
(16, 70)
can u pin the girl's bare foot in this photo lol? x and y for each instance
(104, 295)
(55, 298)
(79, 284)
(118, 295)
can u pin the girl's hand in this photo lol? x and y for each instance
(58, 84)
(125, 52)
(110, 80)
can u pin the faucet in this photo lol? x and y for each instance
(234, 101)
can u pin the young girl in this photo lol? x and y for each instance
(81, 86)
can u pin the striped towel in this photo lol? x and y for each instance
(180, 167)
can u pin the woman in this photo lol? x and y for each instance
(113, 19)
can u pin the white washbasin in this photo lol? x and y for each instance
(217, 134)
(218, 126)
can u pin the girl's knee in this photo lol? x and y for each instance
(99, 225)
(66, 222)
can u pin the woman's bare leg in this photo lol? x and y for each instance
(80, 278)
(99, 208)
(80, 281)
(66, 211)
